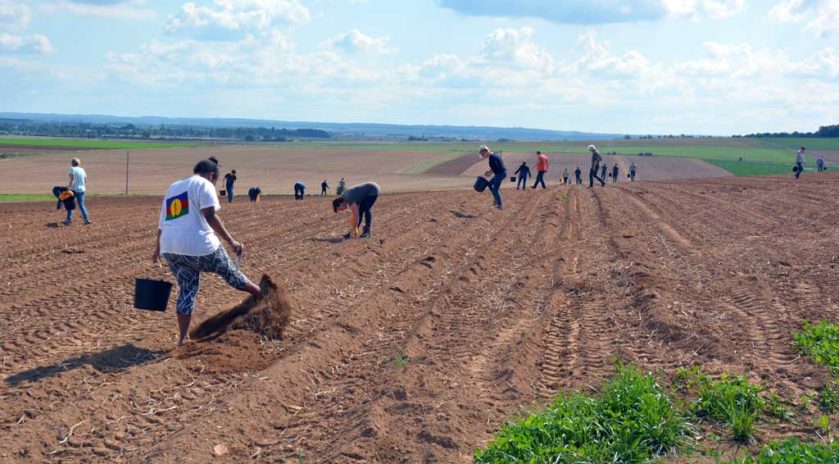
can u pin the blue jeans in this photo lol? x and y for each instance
(230, 194)
(799, 166)
(495, 187)
(522, 182)
(540, 179)
(80, 199)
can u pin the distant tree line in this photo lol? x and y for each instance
(824, 131)
(154, 132)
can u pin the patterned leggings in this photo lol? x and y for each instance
(188, 269)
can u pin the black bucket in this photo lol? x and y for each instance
(151, 294)
(481, 184)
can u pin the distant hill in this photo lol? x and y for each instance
(338, 130)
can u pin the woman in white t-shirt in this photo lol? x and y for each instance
(186, 238)
(78, 181)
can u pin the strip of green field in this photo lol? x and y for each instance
(24, 197)
(83, 144)
(747, 169)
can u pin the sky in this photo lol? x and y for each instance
(716, 67)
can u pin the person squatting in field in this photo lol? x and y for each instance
(187, 239)
(299, 189)
(77, 183)
(799, 162)
(359, 199)
(541, 169)
(596, 159)
(496, 167)
(523, 172)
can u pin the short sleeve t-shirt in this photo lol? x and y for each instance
(229, 180)
(184, 229)
(79, 179)
(357, 193)
(542, 163)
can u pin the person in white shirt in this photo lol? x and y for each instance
(186, 238)
(78, 179)
(799, 162)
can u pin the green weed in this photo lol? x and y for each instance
(730, 400)
(821, 343)
(631, 420)
(823, 423)
(792, 451)
(775, 407)
(828, 399)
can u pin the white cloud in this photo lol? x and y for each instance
(737, 61)
(820, 16)
(355, 41)
(822, 63)
(231, 19)
(714, 9)
(118, 9)
(515, 48)
(14, 15)
(562, 11)
(35, 44)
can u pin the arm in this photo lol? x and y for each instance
(155, 259)
(215, 223)
(72, 177)
(356, 219)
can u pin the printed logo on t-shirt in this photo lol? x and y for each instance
(177, 206)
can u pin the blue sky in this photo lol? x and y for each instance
(627, 66)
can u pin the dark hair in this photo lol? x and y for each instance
(538, 152)
(233, 171)
(336, 203)
(214, 160)
(205, 166)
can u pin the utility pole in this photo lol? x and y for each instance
(127, 161)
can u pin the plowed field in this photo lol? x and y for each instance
(414, 345)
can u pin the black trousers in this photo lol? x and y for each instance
(365, 210)
(540, 179)
(592, 174)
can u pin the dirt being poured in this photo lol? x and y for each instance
(266, 316)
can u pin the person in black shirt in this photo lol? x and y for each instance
(299, 190)
(496, 167)
(523, 172)
(323, 187)
(614, 173)
(229, 180)
(596, 159)
(578, 173)
(603, 171)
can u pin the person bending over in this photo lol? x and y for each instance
(496, 167)
(188, 238)
(359, 199)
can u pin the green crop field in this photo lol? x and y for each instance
(84, 144)
(24, 197)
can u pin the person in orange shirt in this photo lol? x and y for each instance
(541, 169)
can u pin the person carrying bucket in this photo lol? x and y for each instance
(360, 200)
(596, 159)
(188, 238)
(496, 167)
(523, 172)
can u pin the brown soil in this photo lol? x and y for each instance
(415, 345)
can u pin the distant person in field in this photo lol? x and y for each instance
(498, 171)
(565, 176)
(632, 171)
(603, 170)
(188, 238)
(799, 162)
(523, 172)
(541, 169)
(596, 159)
(78, 184)
(578, 173)
(342, 184)
(229, 180)
(254, 193)
(299, 190)
(359, 199)
(820, 164)
(323, 188)
(615, 171)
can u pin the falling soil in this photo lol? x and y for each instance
(266, 316)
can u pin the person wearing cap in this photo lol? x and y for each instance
(523, 172)
(799, 163)
(496, 168)
(229, 180)
(596, 159)
(77, 183)
(188, 239)
(541, 169)
(359, 199)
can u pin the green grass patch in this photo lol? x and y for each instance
(24, 197)
(793, 451)
(632, 420)
(749, 168)
(82, 144)
(821, 343)
(731, 400)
